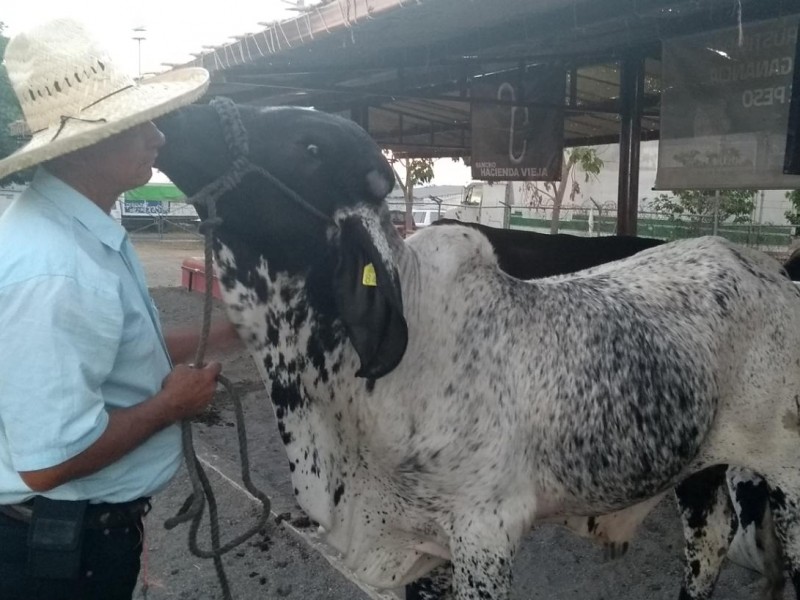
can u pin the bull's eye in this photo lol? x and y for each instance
(313, 150)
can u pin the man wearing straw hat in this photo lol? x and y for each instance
(89, 399)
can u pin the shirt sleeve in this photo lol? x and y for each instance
(59, 343)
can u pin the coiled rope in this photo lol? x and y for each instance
(192, 508)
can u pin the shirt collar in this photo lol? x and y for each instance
(72, 203)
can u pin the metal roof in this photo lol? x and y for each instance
(403, 68)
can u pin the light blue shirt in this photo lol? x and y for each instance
(79, 338)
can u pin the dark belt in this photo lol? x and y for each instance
(98, 516)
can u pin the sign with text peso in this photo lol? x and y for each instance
(725, 108)
(518, 125)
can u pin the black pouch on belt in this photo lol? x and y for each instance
(54, 538)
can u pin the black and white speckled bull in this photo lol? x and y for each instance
(434, 408)
(724, 511)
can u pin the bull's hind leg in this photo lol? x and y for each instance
(784, 500)
(436, 585)
(709, 524)
(756, 546)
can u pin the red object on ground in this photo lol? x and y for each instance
(193, 277)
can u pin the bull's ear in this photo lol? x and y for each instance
(370, 302)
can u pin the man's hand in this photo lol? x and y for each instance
(188, 390)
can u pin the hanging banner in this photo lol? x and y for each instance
(725, 108)
(511, 140)
(791, 160)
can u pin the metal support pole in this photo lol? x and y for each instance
(631, 96)
(139, 36)
(716, 213)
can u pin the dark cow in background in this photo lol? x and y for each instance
(531, 255)
(434, 408)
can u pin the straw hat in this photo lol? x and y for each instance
(73, 96)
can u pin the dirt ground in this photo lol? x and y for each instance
(552, 564)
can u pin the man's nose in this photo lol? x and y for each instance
(154, 135)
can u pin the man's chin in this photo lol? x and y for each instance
(147, 175)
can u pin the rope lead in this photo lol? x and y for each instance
(192, 508)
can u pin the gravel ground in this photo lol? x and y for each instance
(552, 564)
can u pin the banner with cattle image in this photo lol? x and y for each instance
(725, 108)
(518, 125)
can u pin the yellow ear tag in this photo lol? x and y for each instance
(368, 277)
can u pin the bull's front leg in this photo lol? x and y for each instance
(482, 554)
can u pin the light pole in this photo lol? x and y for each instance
(139, 36)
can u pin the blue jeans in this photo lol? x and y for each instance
(109, 565)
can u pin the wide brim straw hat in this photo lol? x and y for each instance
(72, 95)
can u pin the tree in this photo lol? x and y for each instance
(579, 158)
(9, 112)
(702, 207)
(417, 170)
(793, 216)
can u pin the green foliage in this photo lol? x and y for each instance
(421, 169)
(702, 207)
(698, 206)
(580, 158)
(587, 159)
(9, 112)
(418, 170)
(793, 216)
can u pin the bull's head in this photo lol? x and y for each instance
(303, 190)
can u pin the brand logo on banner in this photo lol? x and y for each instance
(512, 140)
(725, 108)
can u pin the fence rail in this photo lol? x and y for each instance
(765, 236)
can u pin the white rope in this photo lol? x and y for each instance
(299, 33)
(268, 40)
(217, 61)
(273, 35)
(322, 18)
(345, 16)
(288, 43)
(308, 25)
(258, 46)
(227, 58)
(241, 51)
(739, 19)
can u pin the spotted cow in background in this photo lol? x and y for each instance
(724, 512)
